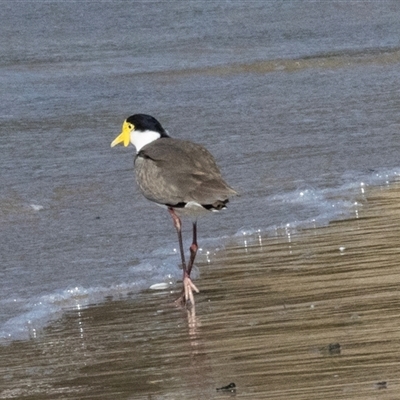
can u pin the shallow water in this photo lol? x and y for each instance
(310, 316)
(299, 107)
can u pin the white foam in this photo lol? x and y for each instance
(308, 207)
(36, 207)
(43, 309)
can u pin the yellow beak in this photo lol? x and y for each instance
(125, 135)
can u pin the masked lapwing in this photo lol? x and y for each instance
(178, 174)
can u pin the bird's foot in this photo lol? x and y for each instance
(187, 297)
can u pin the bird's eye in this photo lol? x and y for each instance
(130, 126)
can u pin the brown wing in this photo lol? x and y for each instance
(172, 171)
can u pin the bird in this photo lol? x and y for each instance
(179, 175)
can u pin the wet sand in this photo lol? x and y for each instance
(313, 316)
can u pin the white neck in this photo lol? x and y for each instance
(141, 138)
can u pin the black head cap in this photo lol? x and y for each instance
(143, 122)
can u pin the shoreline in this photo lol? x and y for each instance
(301, 317)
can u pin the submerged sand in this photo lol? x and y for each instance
(311, 316)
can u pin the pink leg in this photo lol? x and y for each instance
(188, 285)
(178, 226)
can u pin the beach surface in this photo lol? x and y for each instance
(310, 315)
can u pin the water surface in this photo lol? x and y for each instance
(298, 101)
